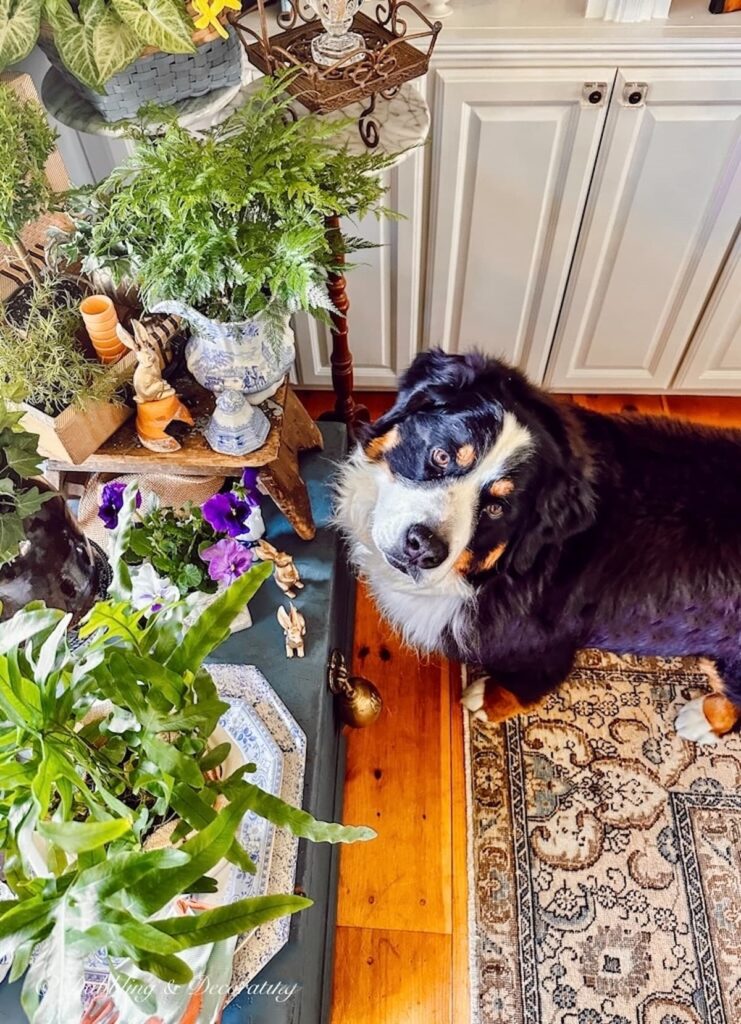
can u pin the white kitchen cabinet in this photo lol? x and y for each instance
(713, 360)
(663, 208)
(513, 153)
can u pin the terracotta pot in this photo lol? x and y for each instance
(56, 564)
(101, 320)
(153, 418)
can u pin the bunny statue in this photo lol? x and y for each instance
(294, 627)
(157, 403)
(285, 573)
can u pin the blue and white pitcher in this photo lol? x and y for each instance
(242, 363)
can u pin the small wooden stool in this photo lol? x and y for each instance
(292, 431)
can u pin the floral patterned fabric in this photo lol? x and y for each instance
(606, 855)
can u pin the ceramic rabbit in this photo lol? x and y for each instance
(285, 573)
(157, 403)
(148, 383)
(294, 627)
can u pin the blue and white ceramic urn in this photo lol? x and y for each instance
(242, 363)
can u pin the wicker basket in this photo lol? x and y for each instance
(157, 77)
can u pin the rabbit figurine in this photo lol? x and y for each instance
(148, 383)
(157, 403)
(285, 573)
(294, 627)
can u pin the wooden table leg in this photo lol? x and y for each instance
(281, 478)
(346, 408)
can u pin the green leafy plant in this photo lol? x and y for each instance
(99, 746)
(59, 373)
(95, 38)
(19, 497)
(26, 142)
(233, 222)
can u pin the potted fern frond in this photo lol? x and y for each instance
(227, 229)
(101, 748)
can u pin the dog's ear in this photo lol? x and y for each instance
(434, 379)
(562, 507)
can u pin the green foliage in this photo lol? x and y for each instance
(233, 222)
(59, 374)
(26, 141)
(19, 499)
(170, 539)
(19, 29)
(95, 38)
(98, 747)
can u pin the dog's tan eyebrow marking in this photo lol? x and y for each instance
(501, 488)
(377, 448)
(491, 559)
(463, 562)
(465, 456)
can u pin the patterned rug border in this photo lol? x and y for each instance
(473, 974)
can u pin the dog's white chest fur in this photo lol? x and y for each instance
(421, 617)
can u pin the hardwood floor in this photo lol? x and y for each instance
(402, 938)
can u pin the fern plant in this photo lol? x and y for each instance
(99, 746)
(231, 222)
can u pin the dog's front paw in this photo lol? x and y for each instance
(472, 699)
(489, 702)
(691, 724)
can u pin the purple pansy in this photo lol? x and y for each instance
(111, 503)
(226, 513)
(227, 560)
(249, 483)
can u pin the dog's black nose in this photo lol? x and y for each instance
(424, 548)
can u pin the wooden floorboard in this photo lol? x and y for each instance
(402, 942)
(391, 977)
(398, 780)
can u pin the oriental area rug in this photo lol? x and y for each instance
(605, 856)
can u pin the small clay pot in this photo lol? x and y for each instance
(56, 563)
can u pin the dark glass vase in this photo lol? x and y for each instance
(56, 564)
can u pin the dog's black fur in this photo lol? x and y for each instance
(622, 532)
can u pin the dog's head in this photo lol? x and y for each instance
(472, 471)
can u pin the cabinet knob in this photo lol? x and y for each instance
(634, 94)
(594, 93)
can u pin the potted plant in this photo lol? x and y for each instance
(120, 54)
(72, 401)
(43, 552)
(228, 230)
(100, 749)
(26, 142)
(195, 550)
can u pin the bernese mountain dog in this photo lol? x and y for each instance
(505, 528)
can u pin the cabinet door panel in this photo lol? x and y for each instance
(713, 361)
(513, 153)
(662, 211)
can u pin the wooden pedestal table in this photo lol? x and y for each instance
(403, 122)
(292, 431)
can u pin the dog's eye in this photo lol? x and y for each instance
(440, 458)
(493, 510)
